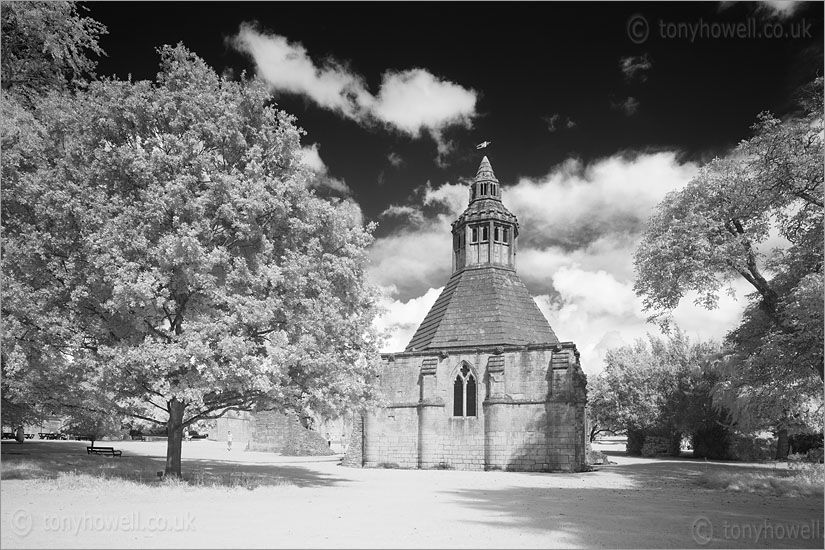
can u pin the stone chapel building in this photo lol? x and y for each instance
(484, 384)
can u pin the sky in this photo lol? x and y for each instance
(594, 112)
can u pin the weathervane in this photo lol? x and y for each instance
(483, 144)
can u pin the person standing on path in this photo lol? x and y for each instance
(228, 440)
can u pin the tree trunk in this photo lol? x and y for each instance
(783, 444)
(174, 436)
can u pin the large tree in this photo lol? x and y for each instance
(626, 395)
(767, 192)
(165, 257)
(657, 386)
(46, 46)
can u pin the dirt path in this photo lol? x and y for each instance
(638, 503)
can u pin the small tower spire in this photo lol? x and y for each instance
(486, 233)
(485, 169)
(485, 185)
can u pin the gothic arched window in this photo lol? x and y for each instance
(464, 393)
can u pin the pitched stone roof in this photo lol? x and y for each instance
(483, 306)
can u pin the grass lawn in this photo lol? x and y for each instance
(54, 495)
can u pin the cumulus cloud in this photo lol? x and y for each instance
(779, 9)
(558, 122)
(612, 253)
(413, 215)
(401, 319)
(628, 106)
(453, 197)
(596, 292)
(418, 255)
(412, 259)
(598, 312)
(395, 159)
(579, 227)
(635, 67)
(413, 101)
(311, 158)
(577, 204)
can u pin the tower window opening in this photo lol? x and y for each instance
(501, 234)
(464, 393)
(485, 234)
(474, 235)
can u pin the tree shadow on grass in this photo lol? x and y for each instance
(50, 460)
(205, 471)
(653, 472)
(654, 504)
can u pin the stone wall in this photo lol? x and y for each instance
(655, 445)
(529, 417)
(397, 444)
(236, 422)
(354, 456)
(272, 432)
(283, 433)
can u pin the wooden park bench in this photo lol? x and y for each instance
(110, 451)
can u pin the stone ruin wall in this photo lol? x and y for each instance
(270, 431)
(530, 412)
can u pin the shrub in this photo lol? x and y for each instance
(752, 447)
(804, 442)
(802, 480)
(815, 455)
(712, 442)
(635, 442)
(596, 457)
